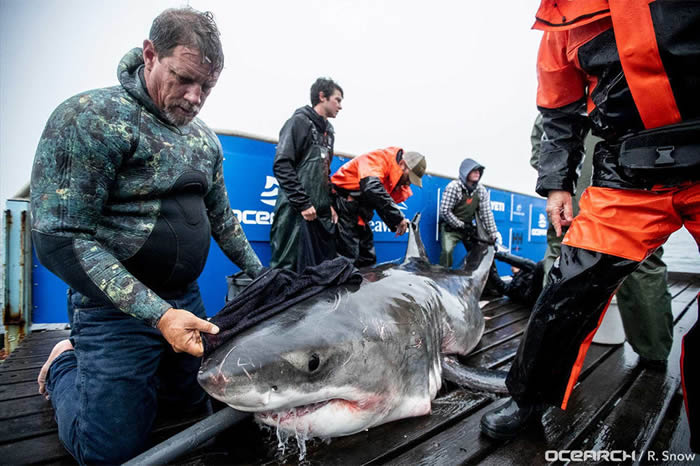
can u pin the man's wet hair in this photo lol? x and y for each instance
(325, 85)
(189, 28)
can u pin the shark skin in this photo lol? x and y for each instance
(355, 356)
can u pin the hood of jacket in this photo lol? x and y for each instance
(322, 124)
(130, 75)
(555, 15)
(467, 166)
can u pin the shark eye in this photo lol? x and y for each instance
(314, 362)
(306, 361)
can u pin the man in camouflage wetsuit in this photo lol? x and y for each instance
(126, 190)
(302, 168)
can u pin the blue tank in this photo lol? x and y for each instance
(253, 189)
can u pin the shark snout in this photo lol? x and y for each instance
(237, 392)
(214, 383)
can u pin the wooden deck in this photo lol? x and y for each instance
(617, 407)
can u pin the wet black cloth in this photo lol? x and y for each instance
(316, 244)
(526, 285)
(274, 291)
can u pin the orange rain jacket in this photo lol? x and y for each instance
(354, 179)
(652, 83)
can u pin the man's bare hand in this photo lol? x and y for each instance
(309, 214)
(334, 215)
(560, 209)
(402, 227)
(181, 329)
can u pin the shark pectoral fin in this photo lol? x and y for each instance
(415, 248)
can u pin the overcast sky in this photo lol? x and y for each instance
(452, 79)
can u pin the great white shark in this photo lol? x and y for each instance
(355, 356)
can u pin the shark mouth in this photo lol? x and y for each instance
(297, 412)
(334, 417)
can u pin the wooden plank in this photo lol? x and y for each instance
(494, 305)
(503, 320)
(464, 443)
(41, 449)
(48, 335)
(564, 431)
(21, 375)
(27, 360)
(677, 287)
(32, 425)
(495, 357)
(683, 299)
(18, 390)
(22, 364)
(33, 351)
(674, 435)
(449, 446)
(24, 406)
(504, 308)
(387, 440)
(500, 336)
(44, 337)
(638, 416)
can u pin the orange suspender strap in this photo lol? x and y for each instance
(641, 62)
(685, 396)
(582, 350)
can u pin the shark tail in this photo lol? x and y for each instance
(478, 261)
(473, 378)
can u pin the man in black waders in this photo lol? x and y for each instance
(303, 228)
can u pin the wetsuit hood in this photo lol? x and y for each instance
(130, 75)
(467, 166)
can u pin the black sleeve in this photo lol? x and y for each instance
(562, 149)
(56, 253)
(290, 149)
(374, 194)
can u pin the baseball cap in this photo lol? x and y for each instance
(416, 166)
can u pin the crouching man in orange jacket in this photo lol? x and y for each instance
(378, 180)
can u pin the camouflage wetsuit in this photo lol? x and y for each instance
(123, 207)
(123, 204)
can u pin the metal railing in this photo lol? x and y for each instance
(17, 270)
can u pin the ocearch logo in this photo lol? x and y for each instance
(585, 456)
(268, 196)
